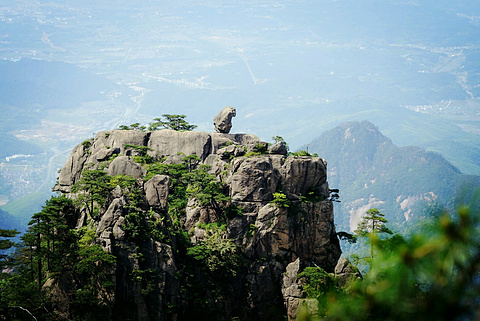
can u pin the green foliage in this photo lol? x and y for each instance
(187, 181)
(94, 268)
(258, 149)
(93, 188)
(134, 126)
(6, 244)
(205, 188)
(316, 282)
(261, 148)
(216, 253)
(142, 150)
(252, 229)
(50, 235)
(124, 181)
(142, 156)
(50, 248)
(432, 275)
(191, 161)
(281, 200)
(233, 210)
(303, 153)
(91, 259)
(372, 223)
(175, 122)
(87, 143)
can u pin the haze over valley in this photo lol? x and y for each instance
(294, 69)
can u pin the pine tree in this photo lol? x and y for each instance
(94, 186)
(6, 244)
(175, 122)
(373, 222)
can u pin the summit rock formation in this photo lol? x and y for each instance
(212, 257)
(223, 121)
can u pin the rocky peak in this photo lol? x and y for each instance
(223, 121)
(270, 210)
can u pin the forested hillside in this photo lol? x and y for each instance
(371, 171)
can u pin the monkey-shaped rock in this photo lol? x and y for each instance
(223, 121)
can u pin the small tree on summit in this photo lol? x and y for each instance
(373, 222)
(175, 122)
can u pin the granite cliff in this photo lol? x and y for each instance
(225, 249)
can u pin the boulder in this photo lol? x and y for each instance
(125, 165)
(223, 121)
(346, 271)
(168, 142)
(254, 179)
(278, 148)
(156, 191)
(304, 174)
(117, 139)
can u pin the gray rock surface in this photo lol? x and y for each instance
(345, 271)
(273, 241)
(278, 148)
(156, 191)
(292, 289)
(125, 165)
(169, 142)
(223, 121)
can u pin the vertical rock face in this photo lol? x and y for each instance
(169, 268)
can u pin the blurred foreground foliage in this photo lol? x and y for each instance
(431, 275)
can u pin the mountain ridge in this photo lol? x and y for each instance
(371, 171)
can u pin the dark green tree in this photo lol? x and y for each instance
(5, 243)
(133, 126)
(137, 126)
(175, 122)
(55, 240)
(93, 188)
(191, 161)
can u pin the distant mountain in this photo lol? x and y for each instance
(8, 221)
(371, 171)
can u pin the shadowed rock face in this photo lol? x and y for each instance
(268, 238)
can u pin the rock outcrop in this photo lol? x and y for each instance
(223, 121)
(165, 269)
(279, 148)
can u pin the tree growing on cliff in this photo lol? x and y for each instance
(93, 188)
(432, 275)
(175, 122)
(5, 243)
(372, 223)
